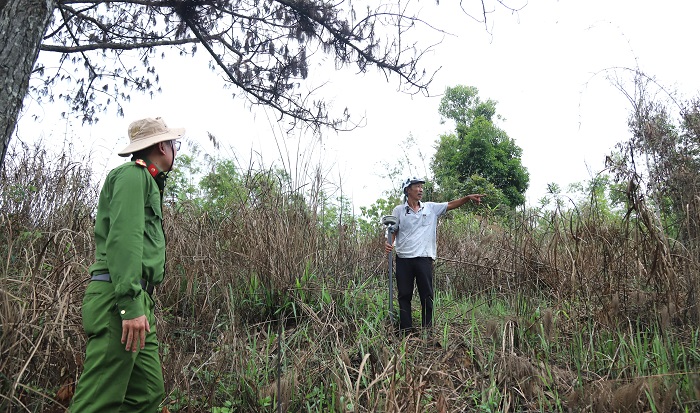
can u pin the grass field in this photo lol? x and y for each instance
(274, 303)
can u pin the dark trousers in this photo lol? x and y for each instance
(420, 270)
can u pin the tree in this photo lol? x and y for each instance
(661, 159)
(262, 47)
(479, 148)
(462, 105)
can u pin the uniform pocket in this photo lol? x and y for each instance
(154, 218)
(425, 219)
(99, 306)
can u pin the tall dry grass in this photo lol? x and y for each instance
(623, 266)
(47, 203)
(262, 305)
(226, 271)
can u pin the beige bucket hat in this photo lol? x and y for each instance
(146, 132)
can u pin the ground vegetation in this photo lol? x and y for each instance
(276, 294)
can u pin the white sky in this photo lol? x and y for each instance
(543, 67)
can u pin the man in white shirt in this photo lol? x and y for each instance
(416, 245)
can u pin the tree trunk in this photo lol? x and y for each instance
(22, 25)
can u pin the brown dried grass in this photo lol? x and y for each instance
(232, 285)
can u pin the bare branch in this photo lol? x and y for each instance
(263, 47)
(116, 46)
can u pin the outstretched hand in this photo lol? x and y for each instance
(476, 198)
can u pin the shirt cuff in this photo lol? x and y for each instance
(131, 308)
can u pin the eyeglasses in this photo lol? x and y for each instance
(175, 144)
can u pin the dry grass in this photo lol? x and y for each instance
(262, 304)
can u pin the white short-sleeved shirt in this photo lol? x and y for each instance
(417, 231)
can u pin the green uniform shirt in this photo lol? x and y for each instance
(129, 239)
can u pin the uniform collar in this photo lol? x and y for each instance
(158, 175)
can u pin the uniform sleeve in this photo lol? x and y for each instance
(125, 241)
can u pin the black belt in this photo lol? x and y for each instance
(105, 277)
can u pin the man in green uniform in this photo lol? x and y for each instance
(122, 371)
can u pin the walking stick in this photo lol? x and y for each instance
(390, 222)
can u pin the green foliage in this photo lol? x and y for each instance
(321, 398)
(553, 196)
(600, 197)
(222, 185)
(335, 213)
(181, 185)
(478, 148)
(475, 184)
(370, 219)
(217, 185)
(462, 105)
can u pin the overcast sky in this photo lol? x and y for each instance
(546, 66)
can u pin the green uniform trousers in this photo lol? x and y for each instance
(113, 379)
